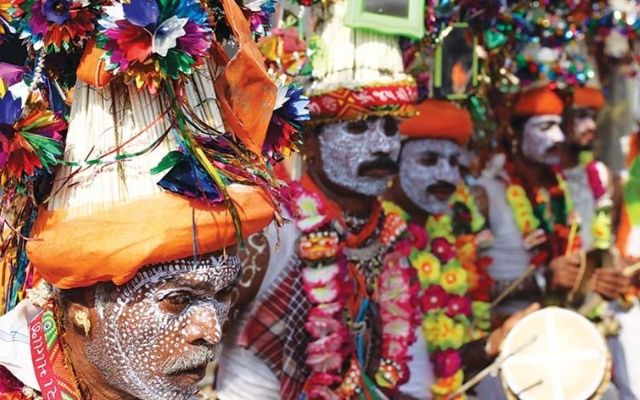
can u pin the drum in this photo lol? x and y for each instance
(555, 354)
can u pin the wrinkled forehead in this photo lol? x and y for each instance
(418, 147)
(538, 121)
(210, 272)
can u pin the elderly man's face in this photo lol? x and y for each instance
(361, 156)
(157, 333)
(429, 173)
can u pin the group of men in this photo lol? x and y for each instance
(386, 267)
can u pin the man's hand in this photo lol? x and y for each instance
(610, 283)
(497, 336)
(564, 271)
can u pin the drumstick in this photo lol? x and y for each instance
(513, 285)
(631, 269)
(490, 369)
(573, 232)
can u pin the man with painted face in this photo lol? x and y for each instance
(135, 268)
(337, 317)
(429, 193)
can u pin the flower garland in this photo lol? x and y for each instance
(55, 25)
(544, 223)
(455, 285)
(601, 226)
(150, 41)
(341, 294)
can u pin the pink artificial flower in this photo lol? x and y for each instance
(447, 363)
(330, 343)
(458, 305)
(434, 297)
(319, 276)
(404, 247)
(441, 248)
(419, 236)
(324, 361)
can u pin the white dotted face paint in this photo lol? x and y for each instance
(157, 332)
(361, 156)
(429, 173)
(540, 134)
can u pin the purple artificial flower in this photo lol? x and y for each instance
(56, 11)
(141, 12)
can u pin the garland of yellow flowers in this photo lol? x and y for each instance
(455, 286)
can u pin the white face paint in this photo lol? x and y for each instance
(429, 173)
(360, 156)
(157, 332)
(540, 134)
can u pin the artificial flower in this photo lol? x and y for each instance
(30, 137)
(319, 325)
(5, 18)
(149, 41)
(454, 278)
(458, 305)
(418, 235)
(324, 360)
(433, 299)
(320, 275)
(442, 249)
(55, 25)
(329, 343)
(324, 294)
(290, 111)
(481, 314)
(448, 385)
(447, 363)
(310, 209)
(440, 226)
(466, 248)
(261, 13)
(442, 332)
(427, 266)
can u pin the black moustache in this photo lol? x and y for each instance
(378, 163)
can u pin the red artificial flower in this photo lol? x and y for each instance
(458, 305)
(435, 297)
(447, 363)
(441, 248)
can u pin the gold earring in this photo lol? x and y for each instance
(81, 319)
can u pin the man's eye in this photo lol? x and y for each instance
(429, 160)
(225, 294)
(454, 161)
(177, 301)
(357, 127)
(390, 126)
(548, 126)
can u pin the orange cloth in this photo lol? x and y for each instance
(112, 245)
(246, 93)
(543, 101)
(588, 97)
(92, 68)
(439, 119)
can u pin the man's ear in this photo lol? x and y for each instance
(81, 318)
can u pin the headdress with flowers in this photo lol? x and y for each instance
(55, 25)
(152, 41)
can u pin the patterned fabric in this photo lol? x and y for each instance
(47, 353)
(349, 104)
(275, 331)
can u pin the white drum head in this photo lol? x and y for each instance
(557, 354)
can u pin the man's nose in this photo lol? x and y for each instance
(203, 324)
(382, 143)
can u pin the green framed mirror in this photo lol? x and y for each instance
(387, 17)
(455, 63)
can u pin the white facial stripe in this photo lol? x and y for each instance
(343, 153)
(540, 134)
(416, 177)
(139, 341)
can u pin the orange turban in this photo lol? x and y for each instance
(543, 101)
(588, 97)
(439, 119)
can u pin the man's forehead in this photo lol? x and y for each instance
(542, 119)
(441, 146)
